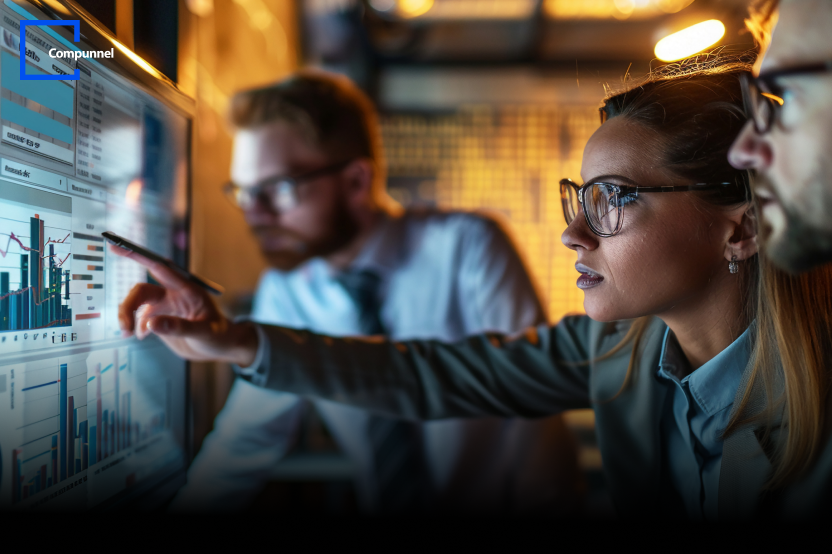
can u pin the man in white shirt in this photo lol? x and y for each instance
(308, 173)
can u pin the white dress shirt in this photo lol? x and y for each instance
(445, 275)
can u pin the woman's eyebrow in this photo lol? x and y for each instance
(613, 177)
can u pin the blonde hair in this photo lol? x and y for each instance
(793, 343)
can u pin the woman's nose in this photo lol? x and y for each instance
(578, 234)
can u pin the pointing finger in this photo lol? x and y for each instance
(162, 273)
(144, 293)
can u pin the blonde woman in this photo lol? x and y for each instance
(704, 364)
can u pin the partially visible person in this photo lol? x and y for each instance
(705, 365)
(309, 175)
(788, 139)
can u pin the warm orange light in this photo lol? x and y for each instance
(672, 6)
(690, 41)
(414, 8)
(133, 193)
(136, 58)
(773, 97)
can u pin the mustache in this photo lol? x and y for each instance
(762, 183)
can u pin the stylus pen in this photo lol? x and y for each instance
(122, 242)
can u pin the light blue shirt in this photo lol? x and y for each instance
(698, 414)
(445, 276)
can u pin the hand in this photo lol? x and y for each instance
(184, 317)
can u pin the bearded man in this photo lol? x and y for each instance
(308, 174)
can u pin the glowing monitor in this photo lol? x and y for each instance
(88, 419)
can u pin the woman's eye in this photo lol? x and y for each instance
(627, 198)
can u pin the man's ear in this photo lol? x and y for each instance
(743, 243)
(358, 177)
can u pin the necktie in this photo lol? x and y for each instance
(397, 455)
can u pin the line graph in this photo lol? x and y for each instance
(59, 262)
(12, 237)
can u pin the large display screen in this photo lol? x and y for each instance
(87, 417)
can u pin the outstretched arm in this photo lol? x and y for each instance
(532, 375)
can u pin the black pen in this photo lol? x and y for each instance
(122, 242)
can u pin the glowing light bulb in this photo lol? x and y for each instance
(688, 42)
(414, 8)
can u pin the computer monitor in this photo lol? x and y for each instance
(89, 419)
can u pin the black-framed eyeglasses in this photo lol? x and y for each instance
(764, 99)
(603, 203)
(279, 192)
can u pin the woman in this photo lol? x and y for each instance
(704, 365)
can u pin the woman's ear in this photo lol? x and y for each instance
(743, 243)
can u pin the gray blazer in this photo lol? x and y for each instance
(543, 372)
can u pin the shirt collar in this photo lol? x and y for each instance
(713, 385)
(383, 250)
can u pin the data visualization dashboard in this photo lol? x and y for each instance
(87, 417)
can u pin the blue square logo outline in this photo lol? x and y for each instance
(76, 24)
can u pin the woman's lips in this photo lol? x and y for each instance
(588, 278)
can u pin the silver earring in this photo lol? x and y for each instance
(733, 265)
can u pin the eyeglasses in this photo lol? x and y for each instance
(278, 192)
(763, 98)
(603, 203)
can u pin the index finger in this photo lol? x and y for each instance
(166, 276)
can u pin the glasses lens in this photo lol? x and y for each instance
(282, 195)
(759, 105)
(603, 208)
(569, 200)
(764, 112)
(237, 195)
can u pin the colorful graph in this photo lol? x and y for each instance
(55, 434)
(80, 411)
(41, 298)
(112, 425)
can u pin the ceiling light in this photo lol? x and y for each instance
(414, 8)
(690, 41)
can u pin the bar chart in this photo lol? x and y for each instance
(73, 415)
(88, 274)
(35, 249)
(52, 427)
(112, 386)
(134, 417)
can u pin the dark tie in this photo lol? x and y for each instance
(397, 454)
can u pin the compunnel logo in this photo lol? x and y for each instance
(54, 53)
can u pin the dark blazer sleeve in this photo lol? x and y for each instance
(536, 373)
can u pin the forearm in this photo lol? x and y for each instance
(481, 376)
